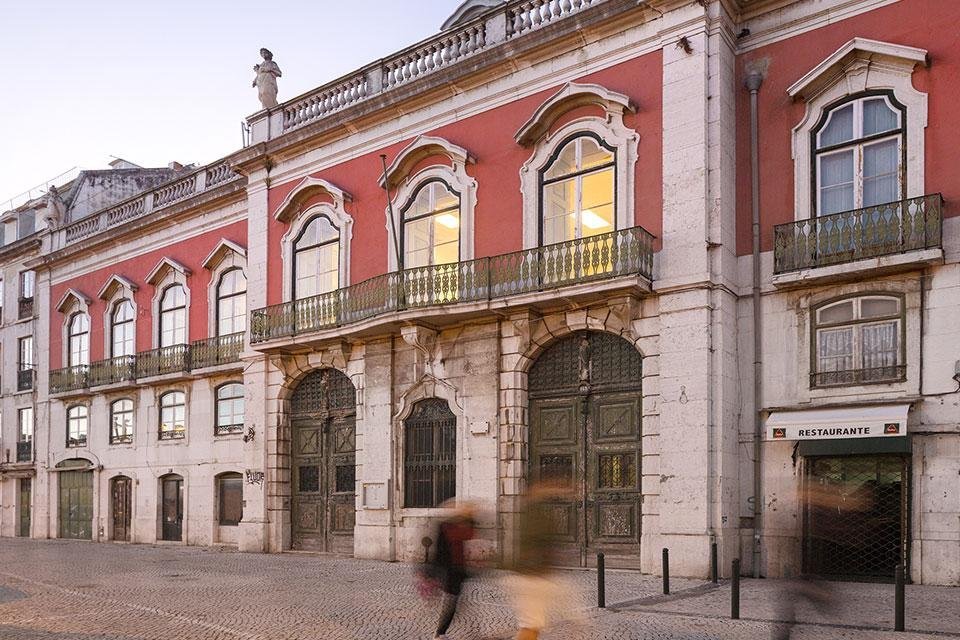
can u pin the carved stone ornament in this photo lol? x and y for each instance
(266, 80)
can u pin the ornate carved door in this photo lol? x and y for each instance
(323, 420)
(120, 507)
(585, 413)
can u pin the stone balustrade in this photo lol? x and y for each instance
(442, 51)
(201, 180)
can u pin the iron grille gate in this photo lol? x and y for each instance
(856, 511)
(323, 416)
(585, 415)
(430, 454)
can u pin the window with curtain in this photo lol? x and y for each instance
(25, 424)
(173, 410)
(122, 329)
(858, 155)
(232, 303)
(173, 316)
(78, 339)
(25, 353)
(858, 340)
(229, 408)
(431, 226)
(316, 258)
(230, 490)
(77, 426)
(578, 191)
(121, 421)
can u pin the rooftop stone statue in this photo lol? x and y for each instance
(266, 80)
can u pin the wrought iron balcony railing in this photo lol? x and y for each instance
(177, 358)
(886, 229)
(619, 253)
(25, 451)
(873, 375)
(215, 351)
(25, 379)
(24, 308)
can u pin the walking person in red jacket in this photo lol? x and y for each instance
(449, 567)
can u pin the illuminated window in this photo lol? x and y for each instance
(578, 191)
(431, 226)
(316, 259)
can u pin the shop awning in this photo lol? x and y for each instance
(842, 422)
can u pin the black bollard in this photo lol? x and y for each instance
(714, 568)
(601, 583)
(666, 571)
(735, 590)
(898, 624)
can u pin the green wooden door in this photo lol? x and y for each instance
(76, 505)
(23, 526)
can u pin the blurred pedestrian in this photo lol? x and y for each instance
(537, 590)
(449, 569)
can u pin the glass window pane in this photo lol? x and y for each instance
(329, 268)
(879, 117)
(879, 344)
(566, 162)
(306, 273)
(559, 211)
(881, 169)
(443, 198)
(596, 209)
(446, 237)
(592, 154)
(879, 307)
(836, 182)
(231, 500)
(417, 245)
(835, 349)
(840, 312)
(839, 128)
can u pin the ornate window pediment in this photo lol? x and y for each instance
(159, 272)
(223, 249)
(73, 299)
(296, 201)
(113, 284)
(570, 97)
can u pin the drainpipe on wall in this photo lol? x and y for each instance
(753, 82)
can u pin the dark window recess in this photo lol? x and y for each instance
(231, 500)
(24, 451)
(430, 454)
(346, 478)
(557, 469)
(309, 479)
(24, 308)
(24, 379)
(617, 471)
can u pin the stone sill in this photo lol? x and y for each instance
(857, 268)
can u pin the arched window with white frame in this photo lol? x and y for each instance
(78, 340)
(578, 192)
(232, 302)
(173, 316)
(122, 337)
(859, 153)
(77, 423)
(430, 225)
(316, 258)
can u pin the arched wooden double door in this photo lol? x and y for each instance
(323, 418)
(585, 412)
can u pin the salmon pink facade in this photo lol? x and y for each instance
(691, 264)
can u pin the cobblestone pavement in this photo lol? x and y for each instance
(60, 590)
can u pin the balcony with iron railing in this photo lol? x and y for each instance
(622, 253)
(903, 228)
(180, 358)
(25, 378)
(870, 375)
(24, 451)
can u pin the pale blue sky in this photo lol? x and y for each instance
(170, 79)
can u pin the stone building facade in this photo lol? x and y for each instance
(548, 276)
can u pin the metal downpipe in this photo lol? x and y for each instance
(753, 82)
